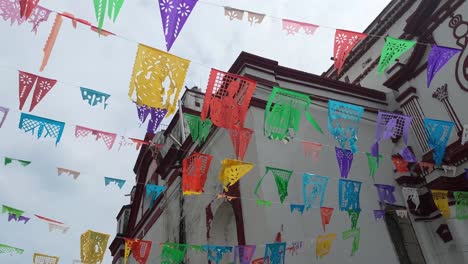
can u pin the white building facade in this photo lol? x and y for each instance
(207, 219)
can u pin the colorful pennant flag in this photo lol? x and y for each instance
(313, 190)
(253, 18)
(299, 207)
(118, 182)
(345, 160)
(408, 155)
(44, 259)
(323, 245)
(461, 205)
(391, 125)
(48, 127)
(18, 219)
(199, 130)
(108, 138)
(240, 139)
(61, 228)
(12, 211)
(227, 99)
(275, 253)
(373, 163)
(173, 253)
(61, 171)
(11, 10)
(345, 41)
(154, 191)
(216, 253)
(283, 113)
(94, 97)
(23, 163)
(244, 253)
(340, 113)
(232, 171)
(392, 50)
(113, 10)
(28, 81)
(281, 179)
(174, 14)
(354, 217)
(440, 198)
(26, 7)
(326, 214)
(438, 57)
(4, 111)
(263, 203)
(379, 214)
(157, 115)
(48, 220)
(292, 27)
(140, 250)
(147, 83)
(5, 249)
(355, 233)
(401, 166)
(348, 194)
(194, 172)
(311, 149)
(386, 193)
(411, 194)
(93, 246)
(402, 213)
(438, 135)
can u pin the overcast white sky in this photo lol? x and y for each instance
(81, 58)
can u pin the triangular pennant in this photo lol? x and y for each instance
(154, 191)
(141, 250)
(100, 11)
(345, 160)
(345, 41)
(356, 234)
(244, 254)
(326, 214)
(194, 172)
(232, 171)
(275, 253)
(27, 7)
(240, 139)
(94, 97)
(385, 193)
(354, 217)
(199, 130)
(282, 180)
(440, 198)
(174, 14)
(26, 82)
(216, 253)
(373, 163)
(408, 155)
(255, 18)
(233, 13)
(379, 214)
(46, 127)
(438, 57)
(299, 207)
(93, 246)
(323, 244)
(128, 248)
(119, 182)
(392, 50)
(313, 190)
(43, 86)
(438, 134)
(173, 253)
(114, 9)
(5, 249)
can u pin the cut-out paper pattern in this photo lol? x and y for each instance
(292, 27)
(199, 130)
(379, 214)
(281, 179)
(48, 220)
(355, 233)
(313, 190)
(140, 250)
(348, 194)
(463, 140)
(426, 166)
(255, 18)
(345, 41)
(438, 57)
(157, 115)
(438, 135)
(232, 171)
(311, 149)
(326, 214)
(108, 138)
(138, 143)
(44, 259)
(128, 248)
(173, 253)
(153, 191)
(94, 97)
(240, 139)
(447, 168)
(345, 160)
(354, 217)
(216, 253)
(26, 7)
(297, 207)
(440, 198)
(408, 155)
(61, 171)
(411, 194)
(461, 205)
(244, 253)
(263, 203)
(4, 113)
(385, 193)
(28, 81)
(343, 121)
(283, 114)
(113, 9)
(227, 99)
(323, 245)
(61, 228)
(294, 248)
(402, 213)
(151, 70)
(93, 246)
(373, 163)
(391, 126)
(18, 219)
(12, 211)
(10, 10)
(118, 182)
(275, 253)
(392, 50)
(194, 172)
(233, 13)
(23, 163)
(5, 249)
(46, 127)
(401, 166)
(174, 14)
